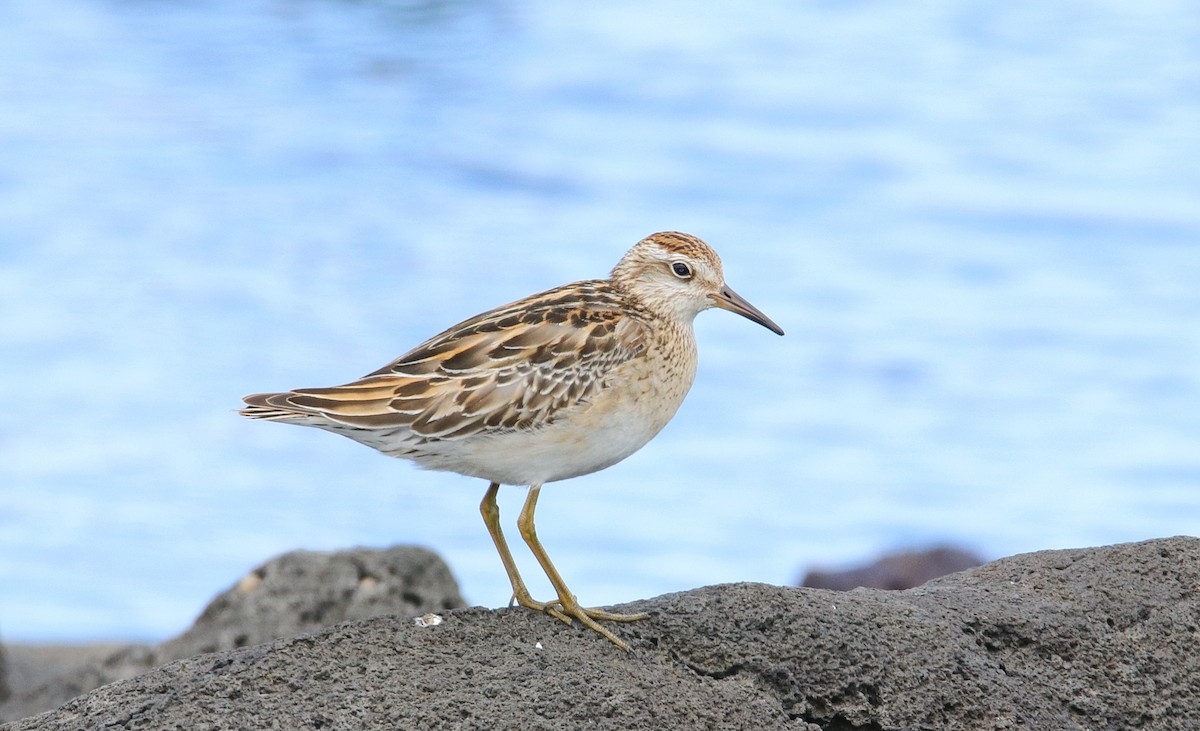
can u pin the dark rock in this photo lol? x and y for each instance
(1101, 638)
(902, 570)
(303, 591)
(292, 594)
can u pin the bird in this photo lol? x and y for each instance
(556, 385)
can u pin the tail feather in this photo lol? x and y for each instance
(272, 406)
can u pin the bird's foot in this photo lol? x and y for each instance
(569, 610)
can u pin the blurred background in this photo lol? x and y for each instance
(978, 223)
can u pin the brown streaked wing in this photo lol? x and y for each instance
(594, 300)
(514, 367)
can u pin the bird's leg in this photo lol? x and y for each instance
(568, 606)
(491, 518)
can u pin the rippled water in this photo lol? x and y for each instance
(979, 226)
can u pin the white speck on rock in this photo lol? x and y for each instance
(428, 620)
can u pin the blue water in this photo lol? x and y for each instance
(979, 224)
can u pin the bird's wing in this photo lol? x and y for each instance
(515, 367)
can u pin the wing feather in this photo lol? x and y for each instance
(515, 367)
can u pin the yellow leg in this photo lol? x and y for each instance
(568, 606)
(491, 518)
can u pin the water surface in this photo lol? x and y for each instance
(978, 226)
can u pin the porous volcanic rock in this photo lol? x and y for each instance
(1099, 638)
(295, 593)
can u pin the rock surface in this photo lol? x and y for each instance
(901, 570)
(1101, 638)
(292, 594)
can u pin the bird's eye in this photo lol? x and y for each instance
(681, 270)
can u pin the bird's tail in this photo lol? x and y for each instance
(272, 406)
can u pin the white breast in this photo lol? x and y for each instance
(640, 399)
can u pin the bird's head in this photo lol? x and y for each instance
(678, 275)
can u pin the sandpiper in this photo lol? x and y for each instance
(555, 385)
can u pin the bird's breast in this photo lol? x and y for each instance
(637, 400)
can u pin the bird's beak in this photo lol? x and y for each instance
(732, 301)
